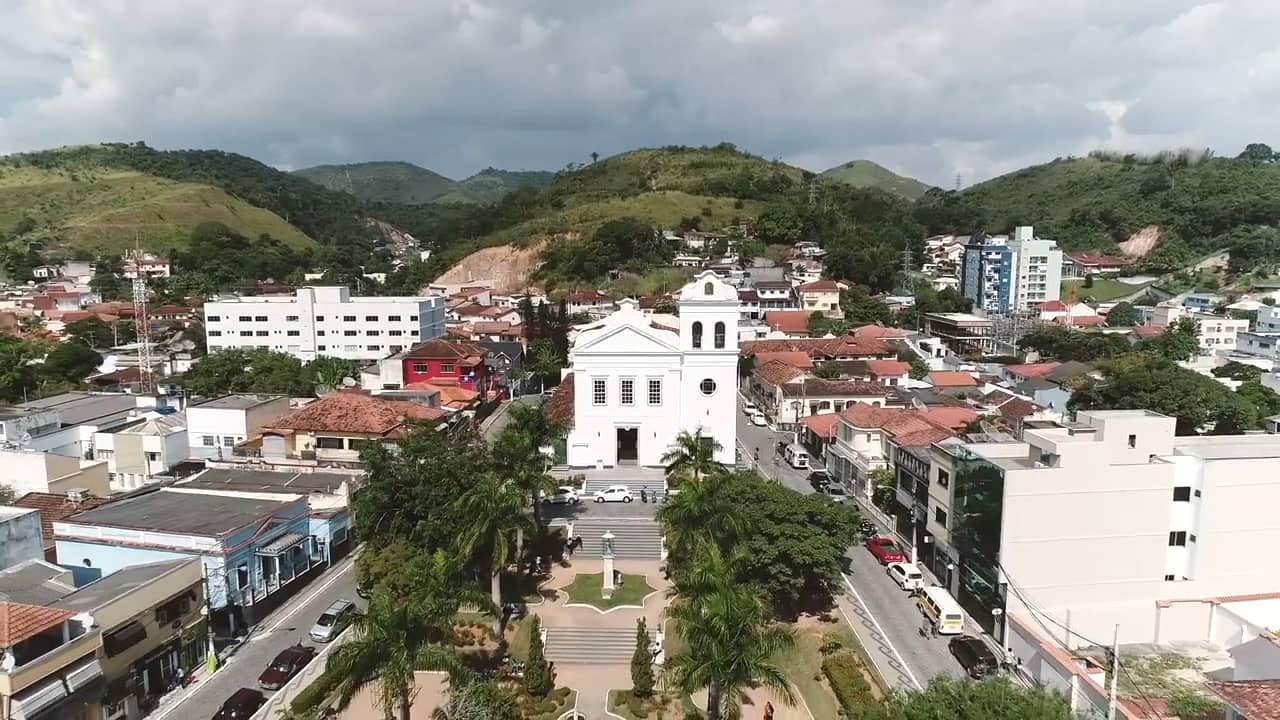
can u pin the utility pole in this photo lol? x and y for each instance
(1115, 673)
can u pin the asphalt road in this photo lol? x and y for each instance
(884, 617)
(287, 626)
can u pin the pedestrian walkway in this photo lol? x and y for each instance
(634, 538)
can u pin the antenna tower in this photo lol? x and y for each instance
(959, 181)
(141, 322)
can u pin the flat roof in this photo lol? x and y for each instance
(1228, 447)
(186, 513)
(35, 582)
(79, 408)
(99, 592)
(267, 481)
(958, 317)
(8, 512)
(237, 402)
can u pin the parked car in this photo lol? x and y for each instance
(614, 493)
(332, 620)
(974, 655)
(563, 495)
(906, 575)
(242, 704)
(758, 418)
(288, 663)
(749, 407)
(819, 480)
(885, 550)
(835, 493)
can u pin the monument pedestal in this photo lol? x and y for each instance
(606, 552)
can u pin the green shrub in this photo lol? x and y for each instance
(851, 689)
(636, 707)
(830, 645)
(313, 695)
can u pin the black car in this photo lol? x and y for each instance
(819, 480)
(242, 704)
(974, 656)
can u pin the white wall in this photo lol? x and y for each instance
(218, 423)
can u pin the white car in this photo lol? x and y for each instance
(906, 575)
(614, 493)
(748, 408)
(758, 418)
(564, 495)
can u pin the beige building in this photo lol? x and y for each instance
(48, 663)
(822, 296)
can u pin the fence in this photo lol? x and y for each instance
(278, 705)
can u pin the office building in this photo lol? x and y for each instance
(1008, 274)
(324, 321)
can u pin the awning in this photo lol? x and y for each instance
(123, 638)
(49, 696)
(282, 544)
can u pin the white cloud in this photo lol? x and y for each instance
(931, 88)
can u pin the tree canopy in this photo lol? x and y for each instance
(256, 370)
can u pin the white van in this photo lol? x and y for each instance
(796, 456)
(942, 610)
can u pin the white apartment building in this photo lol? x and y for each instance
(324, 321)
(1219, 333)
(637, 383)
(1114, 520)
(216, 426)
(135, 455)
(1038, 268)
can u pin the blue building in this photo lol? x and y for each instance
(988, 274)
(255, 551)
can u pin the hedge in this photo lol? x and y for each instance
(851, 689)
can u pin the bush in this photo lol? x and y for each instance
(313, 695)
(830, 645)
(636, 707)
(851, 689)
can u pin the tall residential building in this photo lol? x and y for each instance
(1002, 274)
(324, 321)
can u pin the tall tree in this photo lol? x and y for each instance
(1122, 315)
(71, 361)
(692, 457)
(537, 673)
(493, 512)
(91, 331)
(471, 698)
(1179, 342)
(707, 511)
(518, 450)
(642, 663)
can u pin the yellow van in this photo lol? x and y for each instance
(942, 610)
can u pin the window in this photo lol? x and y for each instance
(446, 367)
(322, 348)
(599, 394)
(419, 367)
(707, 386)
(173, 610)
(944, 478)
(655, 391)
(246, 333)
(1192, 538)
(320, 333)
(349, 348)
(413, 318)
(246, 318)
(262, 333)
(291, 333)
(1169, 578)
(396, 348)
(329, 443)
(395, 333)
(940, 516)
(413, 333)
(319, 318)
(350, 333)
(259, 318)
(1182, 494)
(393, 318)
(709, 289)
(375, 347)
(228, 441)
(215, 333)
(373, 333)
(627, 391)
(697, 335)
(291, 318)
(209, 441)
(719, 336)
(213, 318)
(1133, 441)
(371, 318)
(348, 318)
(1178, 538)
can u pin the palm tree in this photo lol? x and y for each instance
(702, 512)
(732, 643)
(473, 699)
(397, 636)
(693, 456)
(495, 510)
(519, 451)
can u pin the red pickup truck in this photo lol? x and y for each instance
(884, 550)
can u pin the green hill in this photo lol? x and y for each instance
(864, 173)
(1100, 200)
(96, 208)
(400, 182)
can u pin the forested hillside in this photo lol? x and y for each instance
(402, 182)
(864, 173)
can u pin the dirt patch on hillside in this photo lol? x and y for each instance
(1141, 242)
(508, 266)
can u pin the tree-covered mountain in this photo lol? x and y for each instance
(402, 182)
(864, 173)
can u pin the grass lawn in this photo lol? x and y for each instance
(585, 589)
(803, 665)
(1103, 289)
(621, 703)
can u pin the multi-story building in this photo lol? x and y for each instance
(324, 321)
(822, 296)
(137, 453)
(634, 384)
(1268, 319)
(49, 665)
(1004, 274)
(962, 333)
(775, 295)
(216, 426)
(25, 470)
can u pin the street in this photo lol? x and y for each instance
(884, 617)
(287, 626)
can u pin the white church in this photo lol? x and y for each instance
(637, 382)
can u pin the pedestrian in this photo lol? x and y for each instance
(644, 494)
(569, 546)
(768, 711)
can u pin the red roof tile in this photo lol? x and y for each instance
(20, 622)
(559, 407)
(1253, 699)
(1091, 258)
(899, 422)
(1147, 331)
(846, 346)
(54, 507)
(1033, 369)
(820, 286)
(1052, 306)
(952, 379)
(791, 322)
(793, 358)
(777, 372)
(824, 426)
(888, 368)
(445, 350)
(921, 438)
(953, 417)
(355, 411)
(876, 331)
(1081, 321)
(821, 387)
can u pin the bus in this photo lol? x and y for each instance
(942, 610)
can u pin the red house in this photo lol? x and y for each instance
(448, 362)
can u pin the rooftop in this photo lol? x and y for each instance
(1228, 447)
(20, 622)
(959, 317)
(110, 587)
(354, 411)
(1253, 699)
(237, 402)
(944, 378)
(80, 408)
(35, 582)
(186, 513)
(54, 507)
(266, 481)
(559, 407)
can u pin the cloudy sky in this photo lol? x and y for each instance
(926, 87)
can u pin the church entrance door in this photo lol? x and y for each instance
(628, 446)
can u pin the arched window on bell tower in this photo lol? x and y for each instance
(697, 336)
(719, 336)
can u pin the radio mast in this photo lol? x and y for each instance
(141, 322)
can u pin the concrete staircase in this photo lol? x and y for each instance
(634, 538)
(590, 645)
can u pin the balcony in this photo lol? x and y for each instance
(49, 663)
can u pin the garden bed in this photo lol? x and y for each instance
(585, 590)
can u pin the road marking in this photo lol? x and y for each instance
(346, 565)
(880, 629)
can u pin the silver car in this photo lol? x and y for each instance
(332, 621)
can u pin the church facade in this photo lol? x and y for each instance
(638, 382)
